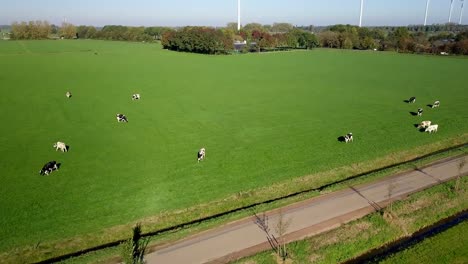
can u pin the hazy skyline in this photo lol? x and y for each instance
(220, 12)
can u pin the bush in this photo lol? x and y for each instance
(133, 250)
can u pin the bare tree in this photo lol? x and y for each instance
(461, 165)
(391, 188)
(281, 228)
(278, 246)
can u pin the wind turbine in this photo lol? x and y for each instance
(360, 16)
(427, 8)
(238, 15)
(461, 13)
(451, 8)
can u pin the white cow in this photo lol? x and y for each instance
(436, 104)
(201, 154)
(60, 145)
(424, 124)
(136, 97)
(68, 95)
(432, 128)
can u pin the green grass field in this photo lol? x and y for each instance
(446, 247)
(263, 118)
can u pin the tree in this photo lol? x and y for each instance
(133, 250)
(329, 39)
(199, 40)
(253, 26)
(311, 41)
(281, 228)
(461, 47)
(347, 43)
(461, 165)
(281, 27)
(67, 30)
(232, 26)
(30, 30)
(156, 32)
(279, 246)
(368, 43)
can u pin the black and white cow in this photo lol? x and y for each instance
(412, 100)
(68, 95)
(48, 168)
(436, 104)
(420, 111)
(348, 137)
(121, 118)
(136, 97)
(201, 154)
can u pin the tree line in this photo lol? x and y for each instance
(217, 41)
(448, 38)
(45, 30)
(399, 39)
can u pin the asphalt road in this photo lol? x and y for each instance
(245, 237)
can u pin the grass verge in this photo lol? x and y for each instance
(358, 237)
(446, 247)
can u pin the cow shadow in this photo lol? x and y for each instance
(413, 113)
(430, 105)
(422, 129)
(341, 139)
(59, 165)
(406, 101)
(67, 147)
(416, 125)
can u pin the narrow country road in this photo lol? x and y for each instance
(309, 217)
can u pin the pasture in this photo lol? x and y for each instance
(263, 119)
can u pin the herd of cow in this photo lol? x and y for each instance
(51, 166)
(426, 125)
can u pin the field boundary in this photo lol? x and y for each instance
(379, 254)
(253, 205)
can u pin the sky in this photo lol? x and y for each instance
(220, 12)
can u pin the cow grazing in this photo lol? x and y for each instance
(412, 100)
(49, 167)
(424, 124)
(121, 118)
(61, 146)
(420, 111)
(348, 137)
(136, 97)
(68, 95)
(432, 128)
(436, 104)
(201, 154)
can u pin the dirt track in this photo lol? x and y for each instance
(244, 237)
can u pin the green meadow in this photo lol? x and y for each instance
(263, 119)
(446, 247)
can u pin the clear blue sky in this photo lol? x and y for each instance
(220, 12)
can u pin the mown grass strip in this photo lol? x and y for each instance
(353, 239)
(379, 254)
(446, 247)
